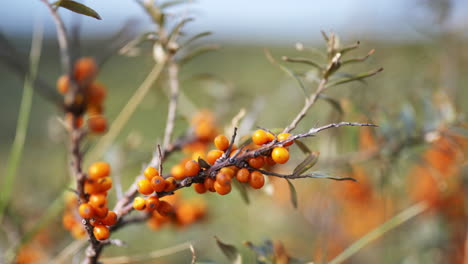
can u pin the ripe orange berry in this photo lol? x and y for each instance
(96, 93)
(93, 109)
(104, 184)
(139, 203)
(152, 203)
(68, 221)
(284, 136)
(257, 180)
(165, 208)
(63, 83)
(178, 172)
(150, 172)
(101, 232)
(85, 69)
(223, 179)
(221, 142)
(97, 124)
(280, 155)
(257, 162)
(243, 175)
(260, 137)
(269, 161)
(100, 212)
(192, 168)
(204, 131)
(110, 219)
(171, 184)
(144, 187)
(98, 200)
(78, 232)
(98, 170)
(158, 183)
(228, 171)
(86, 210)
(92, 187)
(198, 154)
(209, 182)
(213, 155)
(199, 188)
(222, 189)
(270, 136)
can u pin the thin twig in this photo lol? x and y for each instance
(174, 94)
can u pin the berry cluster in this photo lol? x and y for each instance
(88, 96)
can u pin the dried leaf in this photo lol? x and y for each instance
(77, 8)
(203, 163)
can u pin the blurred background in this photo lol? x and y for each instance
(422, 45)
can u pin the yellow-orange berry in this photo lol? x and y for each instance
(199, 187)
(270, 136)
(63, 83)
(144, 187)
(213, 155)
(223, 179)
(243, 175)
(158, 183)
(110, 219)
(98, 200)
(178, 171)
(85, 69)
(100, 212)
(257, 162)
(98, 170)
(165, 208)
(78, 232)
(257, 180)
(171, 184)
(228, 171)
(280, 155)
(152, 203)
(284, 136)
(150, 172)
(101, 232)
(94, 109)
(192, 168)
(104, 184)
(92, 187)
(269, 161)
(68, 221)
(139, 203)
(96, 93)
(222, 189)
(260, 137)
(209, 182)
(221, 142)
(97, 124)
(86, 210)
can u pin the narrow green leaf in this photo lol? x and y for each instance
(333, 102)
(196, 37)
(302, 147)
(355, 77)
(304, 61)
(78, 8)
(229, 251)
(176, 30)
(322, 175)
(307, 163)
(172, 3)
(349, 48)
(242, 190)
(292, 193)
(197, 52)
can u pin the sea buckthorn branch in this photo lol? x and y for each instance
(174, 95)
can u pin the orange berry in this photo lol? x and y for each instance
(192, 168)
(150, 172)
(73, 121)
(158, 183)
(257, 162)
(199, 188)
(92, 187)
(110, 219)
(178, 171)
(68, 221)
(139, 203)
(257, 180)
(213, 155)
(152, 203)
(284, 136)
(204, 130)
(96, 93)
(270, 136)
(243, 175)
(85, 69)
(198, 154)
(280, 155)
(97, 124)
(260, 137)
(222, 189)
(63, 83)
(228, 171)
(269, 161)
(101, 232)
(98, 200)
(144, 187)
(209, 182)
(100, 212)
(86, 210)
(223, 179)
(221, 142)
(93, 109)
(78, 232)
(171, 184)
(104, 184)
(98, 170)
(165, 208)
